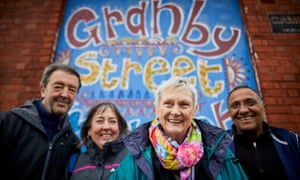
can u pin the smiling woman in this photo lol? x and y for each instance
(175, 145)
(176, 108)
(100, 135)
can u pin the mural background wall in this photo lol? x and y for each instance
(29, 30)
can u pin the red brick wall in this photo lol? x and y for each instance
(28, 30)
(277, 60)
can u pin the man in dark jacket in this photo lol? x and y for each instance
(36, 140)
(264, 152)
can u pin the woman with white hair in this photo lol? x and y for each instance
(175, 145)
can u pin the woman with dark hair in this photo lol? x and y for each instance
(100, 135)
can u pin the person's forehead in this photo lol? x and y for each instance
(178, 93)
(60, 75)
(243, 93)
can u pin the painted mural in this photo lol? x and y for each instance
(123, 49)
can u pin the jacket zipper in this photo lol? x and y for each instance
(50, 147)
(47, 160)
(259, 166)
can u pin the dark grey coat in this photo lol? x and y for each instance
(25, 151)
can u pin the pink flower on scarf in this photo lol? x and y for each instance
(189, 154)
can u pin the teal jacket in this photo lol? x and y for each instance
(138, 164)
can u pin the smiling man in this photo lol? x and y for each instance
(265, 152)
(36, 139)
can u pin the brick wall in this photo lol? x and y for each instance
(277, 60)
(28, 30)
(27, 36)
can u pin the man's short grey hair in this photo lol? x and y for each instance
(176, 81)
(48, 71)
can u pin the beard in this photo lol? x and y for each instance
(60, 107)
(59, 112)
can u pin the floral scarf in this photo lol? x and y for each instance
(174, 156)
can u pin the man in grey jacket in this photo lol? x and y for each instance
(36, 139)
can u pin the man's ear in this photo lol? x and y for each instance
(42, 91)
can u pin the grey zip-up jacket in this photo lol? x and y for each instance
(25, 151)
(95, 163)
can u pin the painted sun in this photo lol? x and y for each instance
(235, 72)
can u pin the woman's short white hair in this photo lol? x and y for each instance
(176, 81)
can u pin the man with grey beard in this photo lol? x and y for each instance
(264, 152)
(36, 139)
